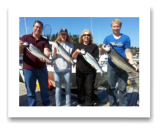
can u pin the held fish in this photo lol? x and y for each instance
(90, 59)
(64, 53)
(38, 53)
(118, 60)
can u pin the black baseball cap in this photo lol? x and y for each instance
(63, 30)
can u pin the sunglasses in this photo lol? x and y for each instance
(86, 35)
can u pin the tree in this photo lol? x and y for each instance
(56, 35)
(53, 37)
(75, 39)
(100, 45)
(70, 36)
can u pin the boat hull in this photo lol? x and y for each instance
(100, 81)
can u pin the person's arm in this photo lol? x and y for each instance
(130, 58)
(54, 50)
(21, 47)
(75, 54)
(102, 50)
(46, 51)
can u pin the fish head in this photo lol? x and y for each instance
(107, 48)
(26, 43)
(83, 51)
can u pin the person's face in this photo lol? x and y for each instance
(86, 37)
(37, 29)
(63, 36)
(116, 28)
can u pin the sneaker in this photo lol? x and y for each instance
(79, 105)
(50, 105)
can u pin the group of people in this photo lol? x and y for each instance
(35, 68)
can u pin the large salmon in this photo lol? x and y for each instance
(63, 52)
(118, 60)
(38, 53)
(92, 61)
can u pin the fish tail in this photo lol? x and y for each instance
(103, 73)
(137, 71)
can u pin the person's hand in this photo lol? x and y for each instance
(55, 50)
(93, 66)
(69, 60)
(21, 44)
(78, 51)
(135, 68)
(103, 46)
(42, 60)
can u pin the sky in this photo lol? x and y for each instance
(100, 27)
(140, 36)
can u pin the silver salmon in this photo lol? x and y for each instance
(64, 53)
(91, 60)
(38, 53)
(118, 60)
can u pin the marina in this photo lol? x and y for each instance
(101, 86)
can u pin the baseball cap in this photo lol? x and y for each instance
(63, 30)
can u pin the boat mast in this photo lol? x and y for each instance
(25, 25)
(98, 36)
(91, 26)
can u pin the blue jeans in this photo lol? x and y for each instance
(31, 75)
(58, 80)
(114, 71)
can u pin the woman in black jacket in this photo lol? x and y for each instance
(85, 73)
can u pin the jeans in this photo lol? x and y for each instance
(58, 81)
(31, 75)
(114, 71)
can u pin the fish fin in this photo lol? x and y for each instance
(127, 59)
(52, 62)
(103, 73)
(137, 71)
(74, 64)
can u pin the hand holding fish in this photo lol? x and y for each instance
(135, 68)
(42, 59)
(78, 51)
(103, 46)
(21, 44)
(93, 66)
(55, 50)
(102, 49)
(75, 54)
(69, 60)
